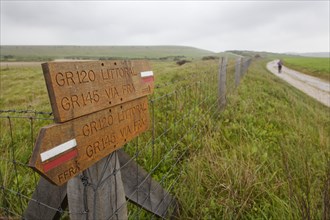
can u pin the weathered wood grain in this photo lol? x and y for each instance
(141, 189)
(102, 196)
(46, 195)
(107, 183)
(79, 88)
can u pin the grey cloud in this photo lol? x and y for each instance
(210, 25)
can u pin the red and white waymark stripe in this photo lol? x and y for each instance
(58, 155)
(147, 76)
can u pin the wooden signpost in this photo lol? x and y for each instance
(98, 107)
(80, 88)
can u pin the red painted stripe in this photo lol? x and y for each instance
(60, 160)
(148, 79)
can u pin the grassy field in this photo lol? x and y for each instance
(319, 67)
(23, 88)
(266, 156)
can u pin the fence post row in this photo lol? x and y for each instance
(84, 195)
(241, 67)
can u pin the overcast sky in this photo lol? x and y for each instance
(274, 26)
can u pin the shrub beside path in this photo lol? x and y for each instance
(312, 86)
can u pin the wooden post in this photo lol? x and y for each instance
(237, 72)
(141, 189)
(46, 195)
(246, 65)
(222, 83)
(99, 192)
(138, 186)
(242, 67)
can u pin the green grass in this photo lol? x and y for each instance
(23, 88)
(266, 156)
(319, 67)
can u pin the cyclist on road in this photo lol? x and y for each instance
(279, 65)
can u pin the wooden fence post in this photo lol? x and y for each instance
(141, 189)
(222, 83)
(99, 192)
(246, 64)
(237, 72)
(242, 67)
(46, 195)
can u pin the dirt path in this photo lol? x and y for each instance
(312, 86)
(19, 64)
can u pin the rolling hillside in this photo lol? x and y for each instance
(36, 53)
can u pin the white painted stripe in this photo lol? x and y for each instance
(58, 150)
(147, 73)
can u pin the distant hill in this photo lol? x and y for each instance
(33, 53)
(316, 54)
(247, 53)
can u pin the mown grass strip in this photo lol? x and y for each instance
(319, 67)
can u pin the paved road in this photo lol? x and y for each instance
(312, 86)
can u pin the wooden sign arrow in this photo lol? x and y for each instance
(80, 88)
(63, 150)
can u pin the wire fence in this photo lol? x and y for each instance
(181, 111)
